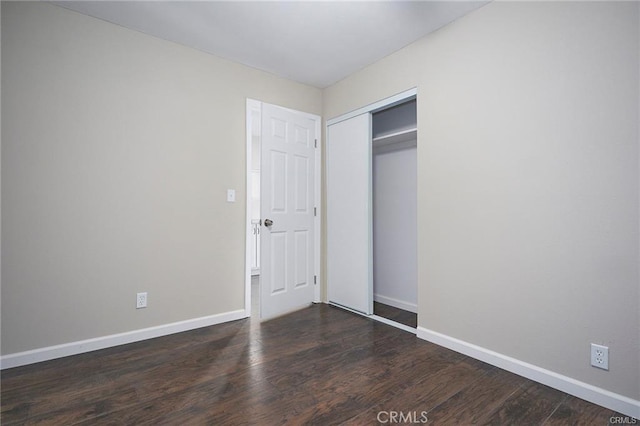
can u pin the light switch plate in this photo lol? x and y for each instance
(231, 195)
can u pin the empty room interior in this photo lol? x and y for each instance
(320, 212)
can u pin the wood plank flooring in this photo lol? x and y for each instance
(320, 365)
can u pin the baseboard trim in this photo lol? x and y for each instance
(83, 346)
(396, 303)
(596, 395)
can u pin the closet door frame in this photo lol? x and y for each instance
(386, 103)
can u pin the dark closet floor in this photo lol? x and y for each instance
(394, 314)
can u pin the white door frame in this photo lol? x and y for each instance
(256, 106)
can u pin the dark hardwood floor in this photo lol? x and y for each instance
(394, 314)
(320, 365)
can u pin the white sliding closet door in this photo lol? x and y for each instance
(349, 214)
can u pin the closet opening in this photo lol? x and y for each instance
(371, 195)
(394, 215)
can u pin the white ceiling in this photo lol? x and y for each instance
(312, 42)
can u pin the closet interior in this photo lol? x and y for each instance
(394, 212)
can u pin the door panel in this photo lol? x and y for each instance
(349, 224)
(288, 182)
(278, 267)
(301, 174)
(278, 181)
(301, 261)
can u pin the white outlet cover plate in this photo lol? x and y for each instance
(141, 300)
(600, 356)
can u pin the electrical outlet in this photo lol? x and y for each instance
(600, 356)
(141, 300)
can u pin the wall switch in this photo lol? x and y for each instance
(231, 195)
(141, 300)
(600, 356)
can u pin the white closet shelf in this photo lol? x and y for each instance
(397, 137)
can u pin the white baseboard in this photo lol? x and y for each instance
(400, 304)
(74, 348)
(596, 395)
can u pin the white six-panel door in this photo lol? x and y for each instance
(287, 199)
(349, 220)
